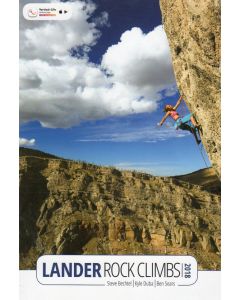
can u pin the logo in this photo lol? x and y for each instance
(47, 11)
(32, 12)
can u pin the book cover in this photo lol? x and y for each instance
(120, 149)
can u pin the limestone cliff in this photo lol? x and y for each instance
(69, 207)
(193, 30)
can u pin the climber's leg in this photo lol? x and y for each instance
(189, 128)
(194, 122)
(196, 125)
(178, 123)
(191, 120)
(185, 126)
(186, 118)
(194, 132)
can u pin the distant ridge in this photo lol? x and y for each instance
(204, 177)
(32, 152)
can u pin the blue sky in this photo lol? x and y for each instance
(117, 132)
(123, 16)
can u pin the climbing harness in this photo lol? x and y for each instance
(184, 120)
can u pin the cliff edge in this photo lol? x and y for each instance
(193, 31)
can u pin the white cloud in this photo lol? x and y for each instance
(26, 142)
(61, 91)
(141, 60)
(73, 91)
(147, 167)
(146, 135)
(171, 91)
(157, 168)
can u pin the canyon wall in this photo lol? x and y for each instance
(69, 207)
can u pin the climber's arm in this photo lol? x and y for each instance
(163, 119)
(178, 102)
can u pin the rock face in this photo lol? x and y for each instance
(193, 30)
(69, 207)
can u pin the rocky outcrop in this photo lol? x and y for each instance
(69, 207)
(206, 178)
(193, 30)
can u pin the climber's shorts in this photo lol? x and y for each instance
(182, 120)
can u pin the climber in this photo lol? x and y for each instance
(187, 122)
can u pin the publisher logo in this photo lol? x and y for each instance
(32, 12)
(47, 11)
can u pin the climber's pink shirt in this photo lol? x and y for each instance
(174, 114)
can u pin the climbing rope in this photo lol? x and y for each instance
(200, 147)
